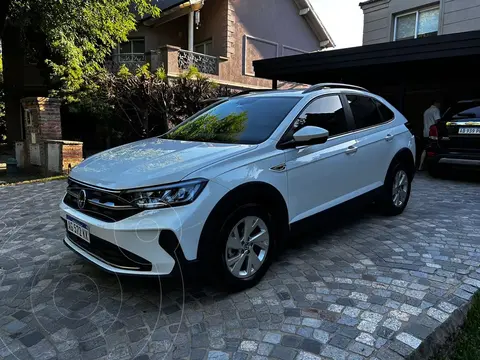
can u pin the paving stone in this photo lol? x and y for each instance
(361, 349)
(390, 276)
(283, 353)
(401, 348)
(367, 326)
(365, 338)
(438, 315)
(272, 338)
(321, 336)
(340, 341)
(218, 355)
(412, 310)
(307, 356)
(248, 346)
(312, 346)
(314, 323)
(447, 307)
(264, 349)
(334, 353)
(409, 340)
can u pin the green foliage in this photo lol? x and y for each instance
(134, 106)
(75, 36)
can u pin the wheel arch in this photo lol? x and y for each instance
(404, 156)
(255, 192)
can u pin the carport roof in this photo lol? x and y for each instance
(392, 62)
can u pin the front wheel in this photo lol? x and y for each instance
(245, 247)
(396, 190)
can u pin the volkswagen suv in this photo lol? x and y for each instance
(223, 188)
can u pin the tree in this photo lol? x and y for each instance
(71, 38)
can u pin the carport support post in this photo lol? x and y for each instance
(274, 84)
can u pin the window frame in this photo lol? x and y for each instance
(348, 118)
(130, 41)
(417, 12)
(372, 98)
(204, 43)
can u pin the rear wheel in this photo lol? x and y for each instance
(396, 190)
(244, 246)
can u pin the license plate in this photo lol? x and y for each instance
(78, 228)
(471, 130)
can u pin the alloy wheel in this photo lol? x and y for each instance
(400, 188)
(247, 247)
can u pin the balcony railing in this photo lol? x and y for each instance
(175, 61)
(131, 61)
(204, 63)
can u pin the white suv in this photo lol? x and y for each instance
(223, 188)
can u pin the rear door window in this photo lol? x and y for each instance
(365, 111)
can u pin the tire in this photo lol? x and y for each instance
(221, 265)
(394, 199)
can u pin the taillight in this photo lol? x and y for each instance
(433, 133)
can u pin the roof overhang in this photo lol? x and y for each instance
(306, 10)
(438, 57)
(175, 10)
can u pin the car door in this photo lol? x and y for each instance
(320, 176)
(375, 140)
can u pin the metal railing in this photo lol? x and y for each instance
(131, 61)
(204, 63)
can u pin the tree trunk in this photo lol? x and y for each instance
(13, 78)
(4, 5)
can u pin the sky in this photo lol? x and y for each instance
(343, 20)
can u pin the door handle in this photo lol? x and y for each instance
(351, 150)
(388, 138)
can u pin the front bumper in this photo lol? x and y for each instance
(150, 243)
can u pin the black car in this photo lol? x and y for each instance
(455, 139)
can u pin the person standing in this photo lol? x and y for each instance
(430, 117)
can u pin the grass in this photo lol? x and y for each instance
(466, 344)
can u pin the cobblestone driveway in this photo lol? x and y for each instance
(373, 287)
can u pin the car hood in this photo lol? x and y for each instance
(151, 162)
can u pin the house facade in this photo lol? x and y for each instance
(222, 37)
(395, 20)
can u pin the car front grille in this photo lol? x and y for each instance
(111, 254)
(108, 206)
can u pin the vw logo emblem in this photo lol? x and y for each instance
(82, 199)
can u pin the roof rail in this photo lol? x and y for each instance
(245, 92)
(332, 86)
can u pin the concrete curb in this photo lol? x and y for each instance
(434, 342)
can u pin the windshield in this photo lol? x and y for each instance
(466, 110)
(242, 120)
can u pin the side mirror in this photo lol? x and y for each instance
(308, 135)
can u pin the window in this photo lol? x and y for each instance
(133, 46)
(365, 111)
(463, 110)
(204, 48)
(385, 112)
(326, 112)
(420, 23)
(240, 120)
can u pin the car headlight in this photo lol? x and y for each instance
(157, 197)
